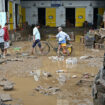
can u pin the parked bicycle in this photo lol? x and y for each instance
(47, 45)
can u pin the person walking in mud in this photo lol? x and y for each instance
(62, 37)
(2, 42)
(36, 38)
(6, 39)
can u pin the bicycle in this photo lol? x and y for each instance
(46, 46)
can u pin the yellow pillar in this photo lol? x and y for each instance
(11, 15)
(80, 16)
(51, 17)
(23, 15)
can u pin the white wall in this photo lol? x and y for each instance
(32, 9)
(60, 16)
(89, 14)
(2, 5)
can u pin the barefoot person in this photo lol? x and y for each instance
(62, 37)
(2, 42)
(6, 38)
(36, 38)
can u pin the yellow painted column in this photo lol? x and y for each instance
(51, 17)
(23, 15)
(80, 16)
(11, 15)
(101, 11)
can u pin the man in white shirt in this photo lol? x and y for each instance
(36, 37)
(2, 42)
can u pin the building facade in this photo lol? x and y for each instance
(63, 13)
(10, 12)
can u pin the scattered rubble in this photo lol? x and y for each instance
(7, 85)
(85, 82)
(56, 58)
(15, 59)
(85, 57)
(37, 74)
(2, 61)
(25, 54)
(62, 79)
(71, 61)
(46, 74)
(86, 75)
(74, 76)
(47, 91)
(2, 103)
(5, 97)
(98, 90)
(60, 71)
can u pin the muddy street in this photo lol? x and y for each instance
(50, 80)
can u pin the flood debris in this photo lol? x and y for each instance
(56, 58)
(37, 74)
(5, 97)
(7, 85)
(85, 57)
(62, 79)
(46, 74)
(71, 60)
(3, 61)
(74, 76)
(60, 71)
(2, 103)
(25, 54)
(17, 49)
(15, 59)
(47, 90)
(84, 82)
(32, 57)
(98, 90)
(86, 75)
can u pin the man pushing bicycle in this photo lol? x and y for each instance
(62, 38)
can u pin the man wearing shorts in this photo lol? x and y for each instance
(62, 37)
(2, 42)
(6, 38)
(36, 37)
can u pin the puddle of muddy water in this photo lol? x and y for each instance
(70, 94)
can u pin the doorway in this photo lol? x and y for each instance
(41, 16)
(70, 17)
(6, 5)
(95, 17)
(16, 14)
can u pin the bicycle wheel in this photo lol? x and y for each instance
(43, 50)
(69, 51)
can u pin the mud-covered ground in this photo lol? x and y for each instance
(22, 73)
